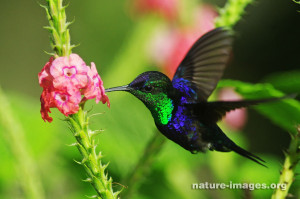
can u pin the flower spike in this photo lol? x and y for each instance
(64, 80)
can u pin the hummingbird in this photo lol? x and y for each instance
(179, 106)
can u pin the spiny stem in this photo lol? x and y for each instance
(60, 40)
(58, 27)
(231, 13)
(287, 175)
(14, 136)
(134, 178)
(91, 160)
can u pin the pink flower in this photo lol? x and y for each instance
(66, 102)
(69, 72)
(182, 43)
(166, 8)
(235, 119)
(170, 44)
(95, 88)
(204, 20)
(64, 80)
(204, 17)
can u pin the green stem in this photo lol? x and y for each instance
(91, 160)
(231, 13)
(133, 180)
(287, 175)
(15, 138)
(60, 40)
(58, 27)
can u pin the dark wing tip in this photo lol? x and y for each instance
(205, 62)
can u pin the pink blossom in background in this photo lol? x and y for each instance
(161, 44)
(170, 43)
(64, 81)
(166, 8)
(204, 16)
(182, 43)
(235, 119)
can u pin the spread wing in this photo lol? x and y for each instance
(203, 65)
(212, 112)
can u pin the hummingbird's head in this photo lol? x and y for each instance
(147, 86)
(154, 90)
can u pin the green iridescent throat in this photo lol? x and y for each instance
(161, 107)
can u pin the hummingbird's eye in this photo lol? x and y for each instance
(148, 88)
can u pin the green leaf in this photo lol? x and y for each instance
(288, 82)
(284, 113)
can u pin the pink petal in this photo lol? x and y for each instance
(79, 81)
(75, 60)
(46, 104)
(104, 99)
(95, 87)
(90, 92)
(94, 71)
(57, 66)
(75, 96)
(61, 82)
(67, 103)
(45, 79)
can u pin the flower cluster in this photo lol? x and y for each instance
(65, 80)
(170, 43)
(166, 8)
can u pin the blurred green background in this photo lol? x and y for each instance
(267, 42)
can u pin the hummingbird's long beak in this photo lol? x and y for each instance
(119, 88)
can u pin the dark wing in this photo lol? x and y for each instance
(204, 64)
(212, 112)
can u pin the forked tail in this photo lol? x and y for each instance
(247, 154)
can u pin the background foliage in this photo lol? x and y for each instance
(266, 50)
